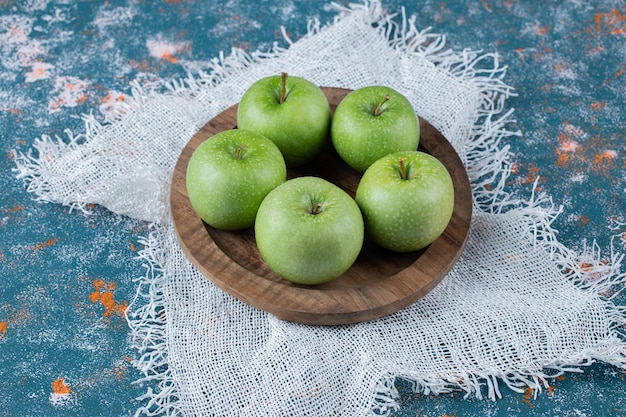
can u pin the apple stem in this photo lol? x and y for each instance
(402, 168)
(316, 209)
(239, 152)
(379, 108)
(406, 173)
(283, 87)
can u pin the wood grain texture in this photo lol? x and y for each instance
(379, 283)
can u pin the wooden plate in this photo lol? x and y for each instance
(379, 283)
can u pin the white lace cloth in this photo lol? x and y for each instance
(515, 309)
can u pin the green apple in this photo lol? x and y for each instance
(291, 111)
(372, 122)
(229, 175)
(406, 199)
(309, 231)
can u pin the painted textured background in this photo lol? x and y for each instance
(66, 278)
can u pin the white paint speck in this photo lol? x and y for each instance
(59, 400)
(39, 71)
(68, 92)
(162, 49)
(578, 178)
(118, 16)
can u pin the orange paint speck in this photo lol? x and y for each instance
(108, 301)
(605, 156)
(596, 105)
(169, 58)
(99, 283)
(533, 174)
(551, 390)
(562, 159)
(57, 104)
(615, 77)
(104, 295)
(109, 98)
(41, 245)
(59, 387)
(94, 296)
(14, 111)
(36, 74)
(167, 50)
(528, 394)
(562, 69)
(141, 65)
(598, 20)
(569, 146)
(585, 267)
(614, 22)
(542, 31)
(3, 327)
(120, 371)
(40, 71)
(15, 209)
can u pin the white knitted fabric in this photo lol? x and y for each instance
(516, 308)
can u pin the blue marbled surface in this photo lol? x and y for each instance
(67, 277)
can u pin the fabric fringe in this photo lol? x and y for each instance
(488, 166)
(147, 322)
(31, 167)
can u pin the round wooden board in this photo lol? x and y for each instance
(379, 283)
